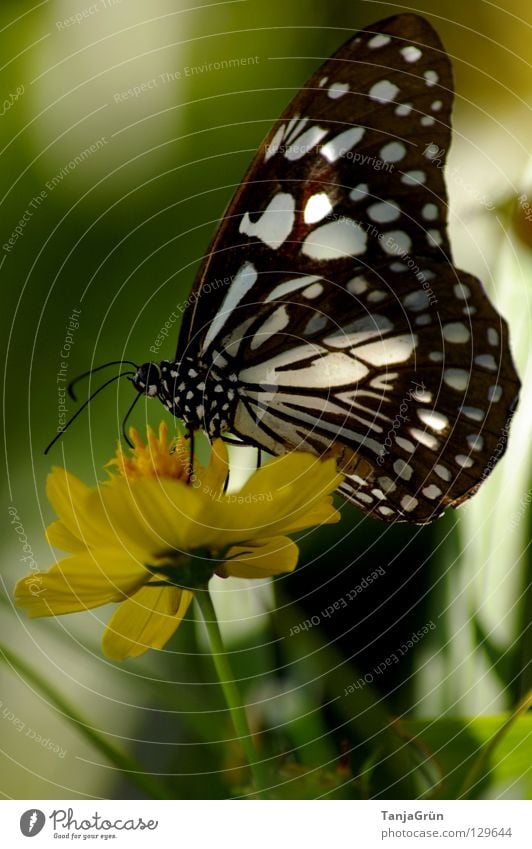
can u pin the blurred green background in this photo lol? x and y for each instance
(117, 236)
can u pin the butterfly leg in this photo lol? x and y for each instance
(190, 469)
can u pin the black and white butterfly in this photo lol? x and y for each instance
(344, 328)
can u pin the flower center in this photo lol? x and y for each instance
(159, 458)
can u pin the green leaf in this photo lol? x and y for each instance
(479, 757)
(504, 662)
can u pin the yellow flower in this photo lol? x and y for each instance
(159, 529)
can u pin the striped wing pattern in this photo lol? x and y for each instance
(350, 330)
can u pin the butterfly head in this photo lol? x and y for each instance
(166, 381)
(147, 379)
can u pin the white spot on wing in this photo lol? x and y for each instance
(242, 282)
(357, 285)
(396, 242)
(411, 53)
(383, 92)
(387, 484)
(475, 441)
(276, 222)
(359, 331)
(386, 352)
(431, 151)
(403, 110)
(315, 324)
(493, 336)
(442, 472)
(379, 41)
(291, 286)
(456, 333)
(409, 503)
(474, 413)
(416, 301)
(273, 146)
(316, 208)
(433, 419)
(424, 438)
(461, 291)
(301, 146)
(340, 144)
(335, 239)
(297, 130)
(464, 461)
(384, 211)
(486, 361)
(456, 378)
(337, 90)
(434, 238)
(430, 212)
(405, 444)
(292, 125)
(332, 369)
(313, 291)
(359, 192)
(376, 296)
(414, 178)
(275, 322)
(393, 151)
(403, 470)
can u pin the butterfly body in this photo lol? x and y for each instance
(328, 315)
(203, 397)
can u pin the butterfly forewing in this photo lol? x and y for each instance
(345, 177)
(347, 330)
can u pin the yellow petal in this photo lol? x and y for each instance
(323, 513)
(262, 559)
(281, 496)
(151, 515)
(61, 537)
(299, 470)
(145, 621)
(80, 582)
(80, 511)
(66, 492)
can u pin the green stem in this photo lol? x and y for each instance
(230, 690)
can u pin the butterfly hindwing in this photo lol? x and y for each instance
(405, 376)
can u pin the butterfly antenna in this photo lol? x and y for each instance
(126, 417)
(87, 402)
(91, 371)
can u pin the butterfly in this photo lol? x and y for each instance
(328, 316)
